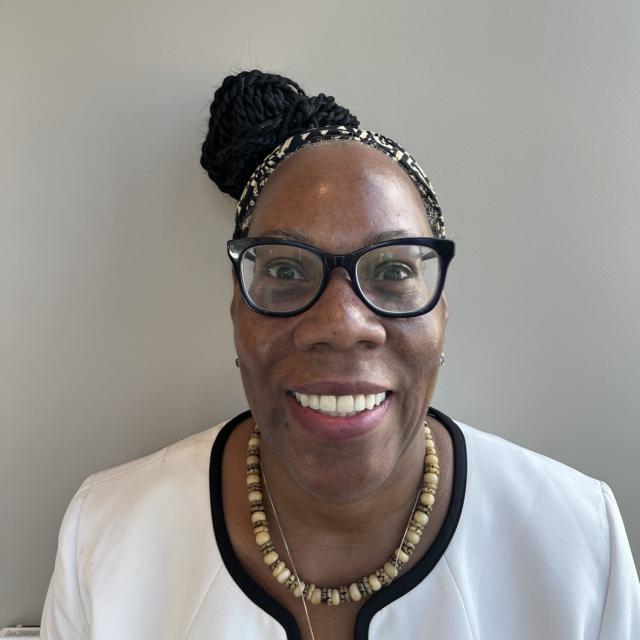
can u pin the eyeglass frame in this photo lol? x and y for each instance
(443, 247)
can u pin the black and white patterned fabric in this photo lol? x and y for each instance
(393, 150)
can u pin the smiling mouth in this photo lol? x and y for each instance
(340, 406)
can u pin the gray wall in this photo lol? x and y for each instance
(114, 285)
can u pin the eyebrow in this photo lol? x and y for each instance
(292, 234)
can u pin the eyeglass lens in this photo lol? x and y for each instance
(396, 278)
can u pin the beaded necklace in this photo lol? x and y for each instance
(366, 585)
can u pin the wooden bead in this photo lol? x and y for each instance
(316, 596)
(262, 538)
(271, 557)
(283, 575)
(374, 583)
(390, 570)
(278, 569)
(297, 592)
(402, 556)
(255, 496)
(431, 478)
(354, 592)
(429, 443)
(421, 518)
(258, 516)
(335, 597)
(427, 499)
(253, 478)
(413, 537)
(254, 441)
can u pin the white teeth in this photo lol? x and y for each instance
(340, 405)
(328, 403)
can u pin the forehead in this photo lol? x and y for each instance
(338, 195)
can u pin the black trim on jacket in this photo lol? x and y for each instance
(377, 601)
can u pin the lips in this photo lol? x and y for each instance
(337, 410)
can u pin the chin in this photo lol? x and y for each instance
(344, 472)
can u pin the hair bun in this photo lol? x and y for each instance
(251, 114)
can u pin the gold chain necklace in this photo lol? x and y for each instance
(366, 585)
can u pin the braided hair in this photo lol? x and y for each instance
(252, 113)
(258, 119)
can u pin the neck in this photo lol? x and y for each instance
(377, 519)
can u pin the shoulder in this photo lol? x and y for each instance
(167, 475)
(518, 483)
(169, 458)
(495, 455)
(163, 497)
(141, 526)
(529, 514)
(541, 536)
(177, 462)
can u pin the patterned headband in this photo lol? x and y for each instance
(393, 150)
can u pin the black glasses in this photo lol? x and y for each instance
(397, 278)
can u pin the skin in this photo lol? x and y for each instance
(331, 496)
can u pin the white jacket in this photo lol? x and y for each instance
(530, 549)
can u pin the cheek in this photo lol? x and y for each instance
(261, 344)
(251, 337)
(253, 344)
(419, 345)
(420, 339)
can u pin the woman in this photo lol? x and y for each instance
(342, 505)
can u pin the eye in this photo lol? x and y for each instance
(392, 271)
(284, 271)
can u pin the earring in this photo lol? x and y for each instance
(441, 359)
(237, 362)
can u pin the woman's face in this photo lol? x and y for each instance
(339, 196)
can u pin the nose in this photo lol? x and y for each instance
(339, 319)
